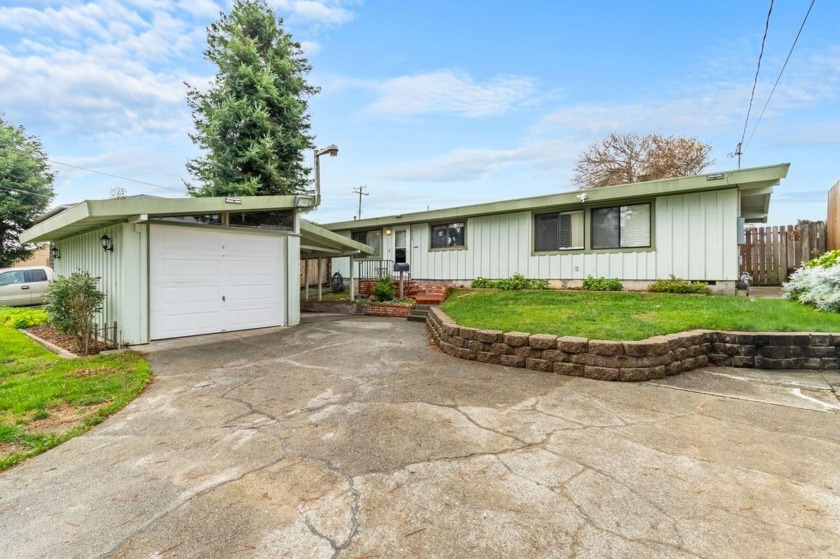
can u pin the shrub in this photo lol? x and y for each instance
(602, 284)
(827, 260)
(480, 282)
(71, 303)
(816, 285)
(513, 283)
(21, 317)
(384, 289)
(677, 285)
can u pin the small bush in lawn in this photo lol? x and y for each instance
(602, 284)
(384, 289)
(14, 317)
(71, 303)
(815, 285)
(518, 281)
(479, 283)
(513, 283)
(677, 285)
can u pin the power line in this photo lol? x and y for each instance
(117, 176)
(738, 151)
(780, 73)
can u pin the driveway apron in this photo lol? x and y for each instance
(352, 437)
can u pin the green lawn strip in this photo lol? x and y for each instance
(34, 382)
(629, 316)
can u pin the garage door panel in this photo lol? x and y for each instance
(256, 245)
(205, 281)
(187, 269)
(173, 324)
(257, 317)
(189, 296)
(174, 239)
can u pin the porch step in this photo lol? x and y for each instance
(418, 313)
(427, 293)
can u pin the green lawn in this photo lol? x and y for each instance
(46, 400)
(629, 316)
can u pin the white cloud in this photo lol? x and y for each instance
(319, 12)
(200, 8)
(477, 164)
(704, 108)
(446, 92)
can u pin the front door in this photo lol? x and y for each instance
(401, 241)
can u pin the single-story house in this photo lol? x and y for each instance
(180, 267)
(688, 226)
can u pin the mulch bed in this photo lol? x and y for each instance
(65, 341)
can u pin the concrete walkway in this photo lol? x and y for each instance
(351, 437)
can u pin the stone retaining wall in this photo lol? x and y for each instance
(341, 307)
(648, 359)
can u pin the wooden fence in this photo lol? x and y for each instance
(312, 276)
(771, 254)
(833, 222)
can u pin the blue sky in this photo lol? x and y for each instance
(437, 103)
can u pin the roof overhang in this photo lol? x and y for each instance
(755, 186)
(94, 214)
(317, 242)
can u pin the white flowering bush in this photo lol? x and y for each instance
(817, 283)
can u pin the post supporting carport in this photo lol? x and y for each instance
(352, 285)
(306, 277)
(320, 283)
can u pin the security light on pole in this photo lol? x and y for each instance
(332, 150)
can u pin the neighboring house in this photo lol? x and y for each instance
(40, 257)
(688, 226)
(179, 267)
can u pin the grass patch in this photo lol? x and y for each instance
(46, 400)
(629, 316)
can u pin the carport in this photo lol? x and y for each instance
(181, 267)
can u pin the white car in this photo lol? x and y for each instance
(24, 286)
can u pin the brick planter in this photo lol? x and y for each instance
(365, 309)
(649, 359)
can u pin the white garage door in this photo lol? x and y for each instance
(203, 281)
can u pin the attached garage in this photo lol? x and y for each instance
(184, 267)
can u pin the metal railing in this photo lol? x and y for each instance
(371, 268)
(106, 333)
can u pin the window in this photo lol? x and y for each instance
(281, 220)
(371, 238)
(558, 231)
(37, 275)
(209, 219)
(10, 278)
(449, 235)
(621, 227)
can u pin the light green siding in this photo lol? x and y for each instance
(292, 280)
(693, 237)
(121, 272)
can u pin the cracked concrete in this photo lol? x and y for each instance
(353, 438)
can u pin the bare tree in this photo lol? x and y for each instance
(628, 158)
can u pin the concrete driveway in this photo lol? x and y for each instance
(351, 437)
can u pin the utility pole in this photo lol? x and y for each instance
(360, 190)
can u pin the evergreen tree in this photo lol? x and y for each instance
(25, 189)
(252, 124)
